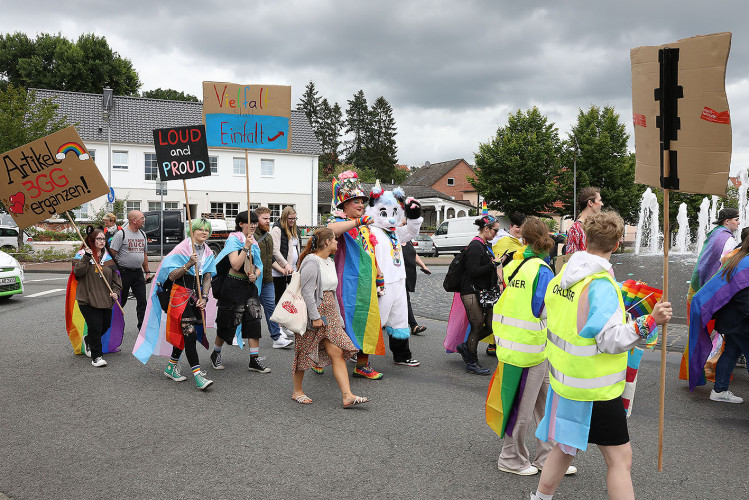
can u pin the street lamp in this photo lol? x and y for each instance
(107, 105)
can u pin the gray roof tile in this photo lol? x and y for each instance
(135, 118)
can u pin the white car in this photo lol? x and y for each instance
(11, 276)
(9, 237)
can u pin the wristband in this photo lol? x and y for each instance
(363, 220)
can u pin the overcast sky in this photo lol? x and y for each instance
(451, 70)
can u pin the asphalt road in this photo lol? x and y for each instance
(125, 431)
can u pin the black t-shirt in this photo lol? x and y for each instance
(733, 318)
(480, 271)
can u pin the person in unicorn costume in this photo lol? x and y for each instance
(388, 208)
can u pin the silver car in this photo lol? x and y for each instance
(424, 245)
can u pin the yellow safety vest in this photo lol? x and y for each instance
(577, 369)
(520, 336)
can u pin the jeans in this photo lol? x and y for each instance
(734, 346)
(268, 299)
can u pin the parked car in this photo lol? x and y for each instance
(9, 237)
(424, 245)
(175, 231)
(11, 276)
(453, 235)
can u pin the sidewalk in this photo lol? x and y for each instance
(64, 266)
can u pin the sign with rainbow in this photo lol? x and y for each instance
(247, 116)
(49, 176)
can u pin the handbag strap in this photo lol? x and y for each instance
(519, 266)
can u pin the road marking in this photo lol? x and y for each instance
(47, 292)
(47, 279)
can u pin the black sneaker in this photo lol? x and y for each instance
(216, 360)
(477, 369)
(256, 366)
(408, 362)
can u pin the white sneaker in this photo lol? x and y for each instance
(282, 343)
(725, 397)
(97, 362)
(528, 471)
(571, 470)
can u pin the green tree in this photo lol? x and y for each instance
(383, 151)
(603, 160)
(359, 125)
(24, 118)
(54, 62)
(169, 95)
(330, 126)
(519, 170)
(310, 104)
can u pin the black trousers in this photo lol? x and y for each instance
(97, 322)
(400, 348)
(411, 318)
(279, 284)
(135, 280)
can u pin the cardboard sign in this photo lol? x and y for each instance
(49, 176)
(703, 144)
(247, 116)
(181, 152)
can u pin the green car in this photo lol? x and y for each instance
(11, 276)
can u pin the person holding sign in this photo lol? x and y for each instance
(94, 298)
(238, 300)
(176, 294)
(588, 339)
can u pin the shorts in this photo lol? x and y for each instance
(608, 423)
(239, 304)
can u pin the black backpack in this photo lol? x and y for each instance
(454, 276)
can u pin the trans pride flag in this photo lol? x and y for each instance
(356, 292)
(76, 325)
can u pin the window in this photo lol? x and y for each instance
(267, 168)
(217, 207)
(451, 181)
(119, 160)
(213, 161)
(92, 154)
(240, 166)
(131, 205)
(151, 167)
(275, 211)
(168, 205)
(81, 212)
(441, 230)
(232, 209)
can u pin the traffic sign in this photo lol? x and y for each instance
(110, 195)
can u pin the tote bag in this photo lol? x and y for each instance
(291, 310)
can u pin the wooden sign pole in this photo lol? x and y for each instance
(194, 251)
(98, 267)
(664, 327)
(247, 175)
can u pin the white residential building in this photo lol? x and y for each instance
(277, 178)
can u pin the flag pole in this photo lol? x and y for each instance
(247, 177)
(96, 264)
(192, 245)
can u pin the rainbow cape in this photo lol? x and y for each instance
(712, 296)
(152, 336)
(235, 242)
(639, 298)
(76, 325)
(708, 264)
(503, 397)
(356, 292)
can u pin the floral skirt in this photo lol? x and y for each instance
(309, 349)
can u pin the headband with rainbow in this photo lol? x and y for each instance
(79, 150)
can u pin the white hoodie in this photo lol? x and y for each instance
(599, 308)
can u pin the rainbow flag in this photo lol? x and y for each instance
(356, 292)
(458, 326)
(639, 298)
(503, 397)
(484, 208)
(76, 325)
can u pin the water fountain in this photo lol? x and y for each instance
(743, 206)
(647, 223)
(683, 237)
(703, 225)
(713, 213)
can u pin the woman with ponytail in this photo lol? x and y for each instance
(325, 341)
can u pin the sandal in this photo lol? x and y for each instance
(302, 399)
(358, 400)
(418, 329)
(318, 369)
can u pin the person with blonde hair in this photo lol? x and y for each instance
(521, 346)
(286, 249)
(588, 336)
(325, 341)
